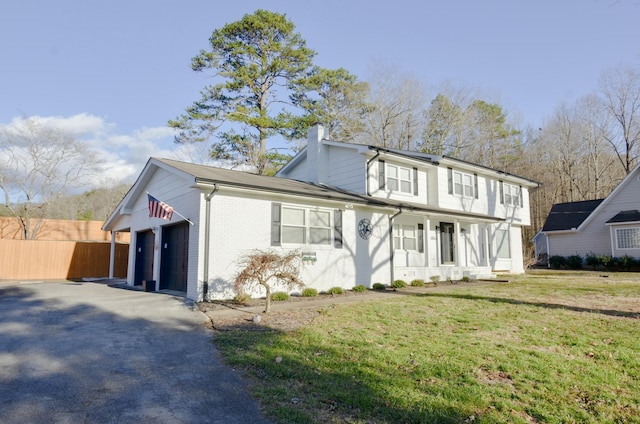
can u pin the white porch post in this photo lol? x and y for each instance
(485, 242)
(427, 239)
(458, 244)
(112, 255)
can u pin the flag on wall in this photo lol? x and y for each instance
(158, 209)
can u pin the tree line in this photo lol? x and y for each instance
(265, 88)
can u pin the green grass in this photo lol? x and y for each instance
(547, 347)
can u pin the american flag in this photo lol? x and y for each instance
(158, 209)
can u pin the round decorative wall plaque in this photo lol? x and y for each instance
(365, 229)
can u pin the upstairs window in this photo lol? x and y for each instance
(463, 184)
(398, 179)
(510, 195)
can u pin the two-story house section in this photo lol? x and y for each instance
(450, 218)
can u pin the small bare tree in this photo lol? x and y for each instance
(269, 269)
(38, 166)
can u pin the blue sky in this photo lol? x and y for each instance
(113, 72)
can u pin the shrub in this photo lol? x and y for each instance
(434, 279)
(309, 292)
(592, 260)
(627, 262)
(605, 260)
(279, 296)
(557, 261)
(379, 286)
(359, 288)
(574, 262)
(398, 284)
(335, 290)
(417, 283)
(242, 298)
(466, 279)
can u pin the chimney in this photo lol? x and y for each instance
(316, 161)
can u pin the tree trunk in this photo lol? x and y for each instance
(267, 305)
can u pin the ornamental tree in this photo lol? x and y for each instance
(269, 269)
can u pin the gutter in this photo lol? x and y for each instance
(367, 176)
(207, 230)
(391, 250)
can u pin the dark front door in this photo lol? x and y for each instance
(447, 246)
(174, 257)
(144, 257)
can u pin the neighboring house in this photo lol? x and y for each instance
(609, 226)
(358, 214)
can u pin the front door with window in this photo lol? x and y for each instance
(447, 245)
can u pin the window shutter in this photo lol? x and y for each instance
(475, 185)
(421, 238)
(520, 197)
(381, 176)
(415, 181)
(275, 224)
(337, 229)
(450, 179)
(501, 192)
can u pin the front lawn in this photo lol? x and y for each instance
(548, 347)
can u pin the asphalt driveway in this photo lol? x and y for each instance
(92, 353)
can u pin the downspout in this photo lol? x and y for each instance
(207, 230)
(367, 179)
(391, 250)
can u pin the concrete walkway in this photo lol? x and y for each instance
(91, 353)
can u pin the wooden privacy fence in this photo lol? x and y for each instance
(45, 259)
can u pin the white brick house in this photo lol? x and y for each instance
(359, 214)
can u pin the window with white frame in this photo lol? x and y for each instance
(502, 244)
(405, 237)
(462, 184)
(305, 226)
(399, 179)
(628, 238)
(512, 195)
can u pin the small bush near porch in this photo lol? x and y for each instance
(545, 347)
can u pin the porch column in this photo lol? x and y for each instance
(112, 255)
(459, 244)
(485, 243)
(427, 242)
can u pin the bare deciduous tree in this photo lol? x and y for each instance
(396, 106)
(269, 269)
(620, 93)
(39, 165)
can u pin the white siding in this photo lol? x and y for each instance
(595, 237)
(170, 189)
(488, 201)
(347, 169)
(374, 184)
(242, 223)
(298, 172)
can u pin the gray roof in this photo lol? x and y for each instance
(568, 216)
(240, 179)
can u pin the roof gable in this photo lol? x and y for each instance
(635, 172)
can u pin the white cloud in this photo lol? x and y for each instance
(123, 155)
